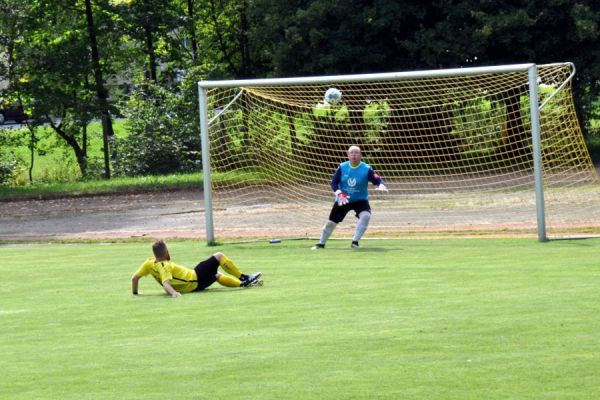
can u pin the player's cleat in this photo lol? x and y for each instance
(252, 280)
(318, 246)
(355, 245)
(257, 282)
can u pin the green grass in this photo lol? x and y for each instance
(418, 319)
(102, 186)
(122, 185)
(57, 162)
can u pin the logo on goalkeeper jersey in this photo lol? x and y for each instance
(351, 182)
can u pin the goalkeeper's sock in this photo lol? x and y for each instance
(327, 231)
(228, 281)
(229, 266)
(362, 224)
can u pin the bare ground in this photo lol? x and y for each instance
(154, 214)
(180, 214)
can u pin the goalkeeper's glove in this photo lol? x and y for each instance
(342, 198)
(382, 187)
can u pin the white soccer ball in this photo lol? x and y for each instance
(333, 96)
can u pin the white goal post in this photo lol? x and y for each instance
(447, 140)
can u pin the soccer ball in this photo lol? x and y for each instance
(333, 96)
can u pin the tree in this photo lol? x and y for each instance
(337, 37)
(149, 24)
(191, 24)
(101, 92)
(58, 69)
(488, 33)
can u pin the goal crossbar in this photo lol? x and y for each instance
(435, 73)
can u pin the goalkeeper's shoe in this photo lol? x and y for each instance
(355, 245)
(252, 280)
(318, 246)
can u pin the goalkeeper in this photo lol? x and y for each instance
(176, 279)
(350, 184)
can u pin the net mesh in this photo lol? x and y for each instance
(455, 153)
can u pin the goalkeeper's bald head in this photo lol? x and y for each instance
(354, 155)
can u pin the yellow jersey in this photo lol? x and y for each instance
(183, 279)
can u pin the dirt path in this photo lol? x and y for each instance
(157, 214)
(180, 214)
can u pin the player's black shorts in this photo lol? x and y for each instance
(206, 272)
(338, 213)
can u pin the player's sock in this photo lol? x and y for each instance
(362, 224)
(229, 281)
(230, 267)
(327, 231)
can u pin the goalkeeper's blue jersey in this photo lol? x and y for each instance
(354, 181)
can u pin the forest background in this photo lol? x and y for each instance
(110, 84)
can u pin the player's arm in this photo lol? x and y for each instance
(375, 179)
(341, 197)
(336, 179)
(169, 289)
(164, 269)
(137, 275)
(134, 283)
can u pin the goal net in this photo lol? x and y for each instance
(460, 151)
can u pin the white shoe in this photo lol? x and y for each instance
(253, 280)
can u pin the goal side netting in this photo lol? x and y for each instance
(457, 150)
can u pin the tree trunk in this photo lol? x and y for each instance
(517, 141)
(214, 17)
(151, 55)
(291, 115)
(80, 152)
(101, 91)
(357, 124)
(190, 6)
(32, 142)
(245, 69)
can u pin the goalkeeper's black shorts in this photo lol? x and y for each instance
(338, 213)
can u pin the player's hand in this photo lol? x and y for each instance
(382, 187)
(176, 294)
(342, 198)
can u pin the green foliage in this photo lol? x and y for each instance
(152, 25)
(10, 169)
(162, 138)
(11, 162)
(478, 123)
(593, 144)
(48, 60)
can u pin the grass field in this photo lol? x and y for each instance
(406, 319)
(56, 161)
(99, 187)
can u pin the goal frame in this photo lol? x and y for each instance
(530, 68)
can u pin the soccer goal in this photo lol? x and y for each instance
(489, 150)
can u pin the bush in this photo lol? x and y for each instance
(10, 169)
(163, 136)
